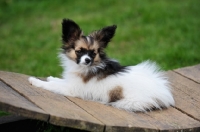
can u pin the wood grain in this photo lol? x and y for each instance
(93, 116)
(62, 111)
(187, 94)
(173, 120)
(119, 120)
(192, 72)
(13, 102)
(116, 119)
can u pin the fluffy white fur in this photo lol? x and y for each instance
(144, 86)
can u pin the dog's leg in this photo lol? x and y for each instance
(50, 78)
(59, 87)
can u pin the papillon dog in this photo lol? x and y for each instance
(89, 74)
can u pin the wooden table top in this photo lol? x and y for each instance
(17, 96)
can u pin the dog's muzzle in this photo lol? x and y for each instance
(85, 60)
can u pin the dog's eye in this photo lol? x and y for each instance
(93, 54)
(78, 51)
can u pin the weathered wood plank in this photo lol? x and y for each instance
(88, 115)
(118, 120)
(62, 111)
(173, 120)
(187, 94)
(192, 72)
(115, 119)
(13, 102)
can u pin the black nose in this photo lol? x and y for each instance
(87, 60)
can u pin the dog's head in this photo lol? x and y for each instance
(85, 50)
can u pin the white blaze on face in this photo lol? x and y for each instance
(85, 60)
(88, 39)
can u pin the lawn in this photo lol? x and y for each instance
(165, 31)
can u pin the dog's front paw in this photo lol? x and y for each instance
(35, 82)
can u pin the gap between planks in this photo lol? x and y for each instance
(105, 127)
(20, 93)
(190, 72)
(185, 76)
(179, 108)
(174, 87)
(86, 112)
(48, 115)
(12, 102)
(82, 121)
(186, 113)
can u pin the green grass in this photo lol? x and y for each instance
(163, 31)
(2, 113)
(166, 31)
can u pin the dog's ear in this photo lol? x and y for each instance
(104, 35)
(70, 31)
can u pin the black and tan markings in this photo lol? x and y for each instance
(82, 47)
(76, 44)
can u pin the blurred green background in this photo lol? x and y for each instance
(165, 31)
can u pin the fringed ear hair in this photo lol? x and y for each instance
(70, 31)
(104, 35)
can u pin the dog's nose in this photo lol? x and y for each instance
(87, 60)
